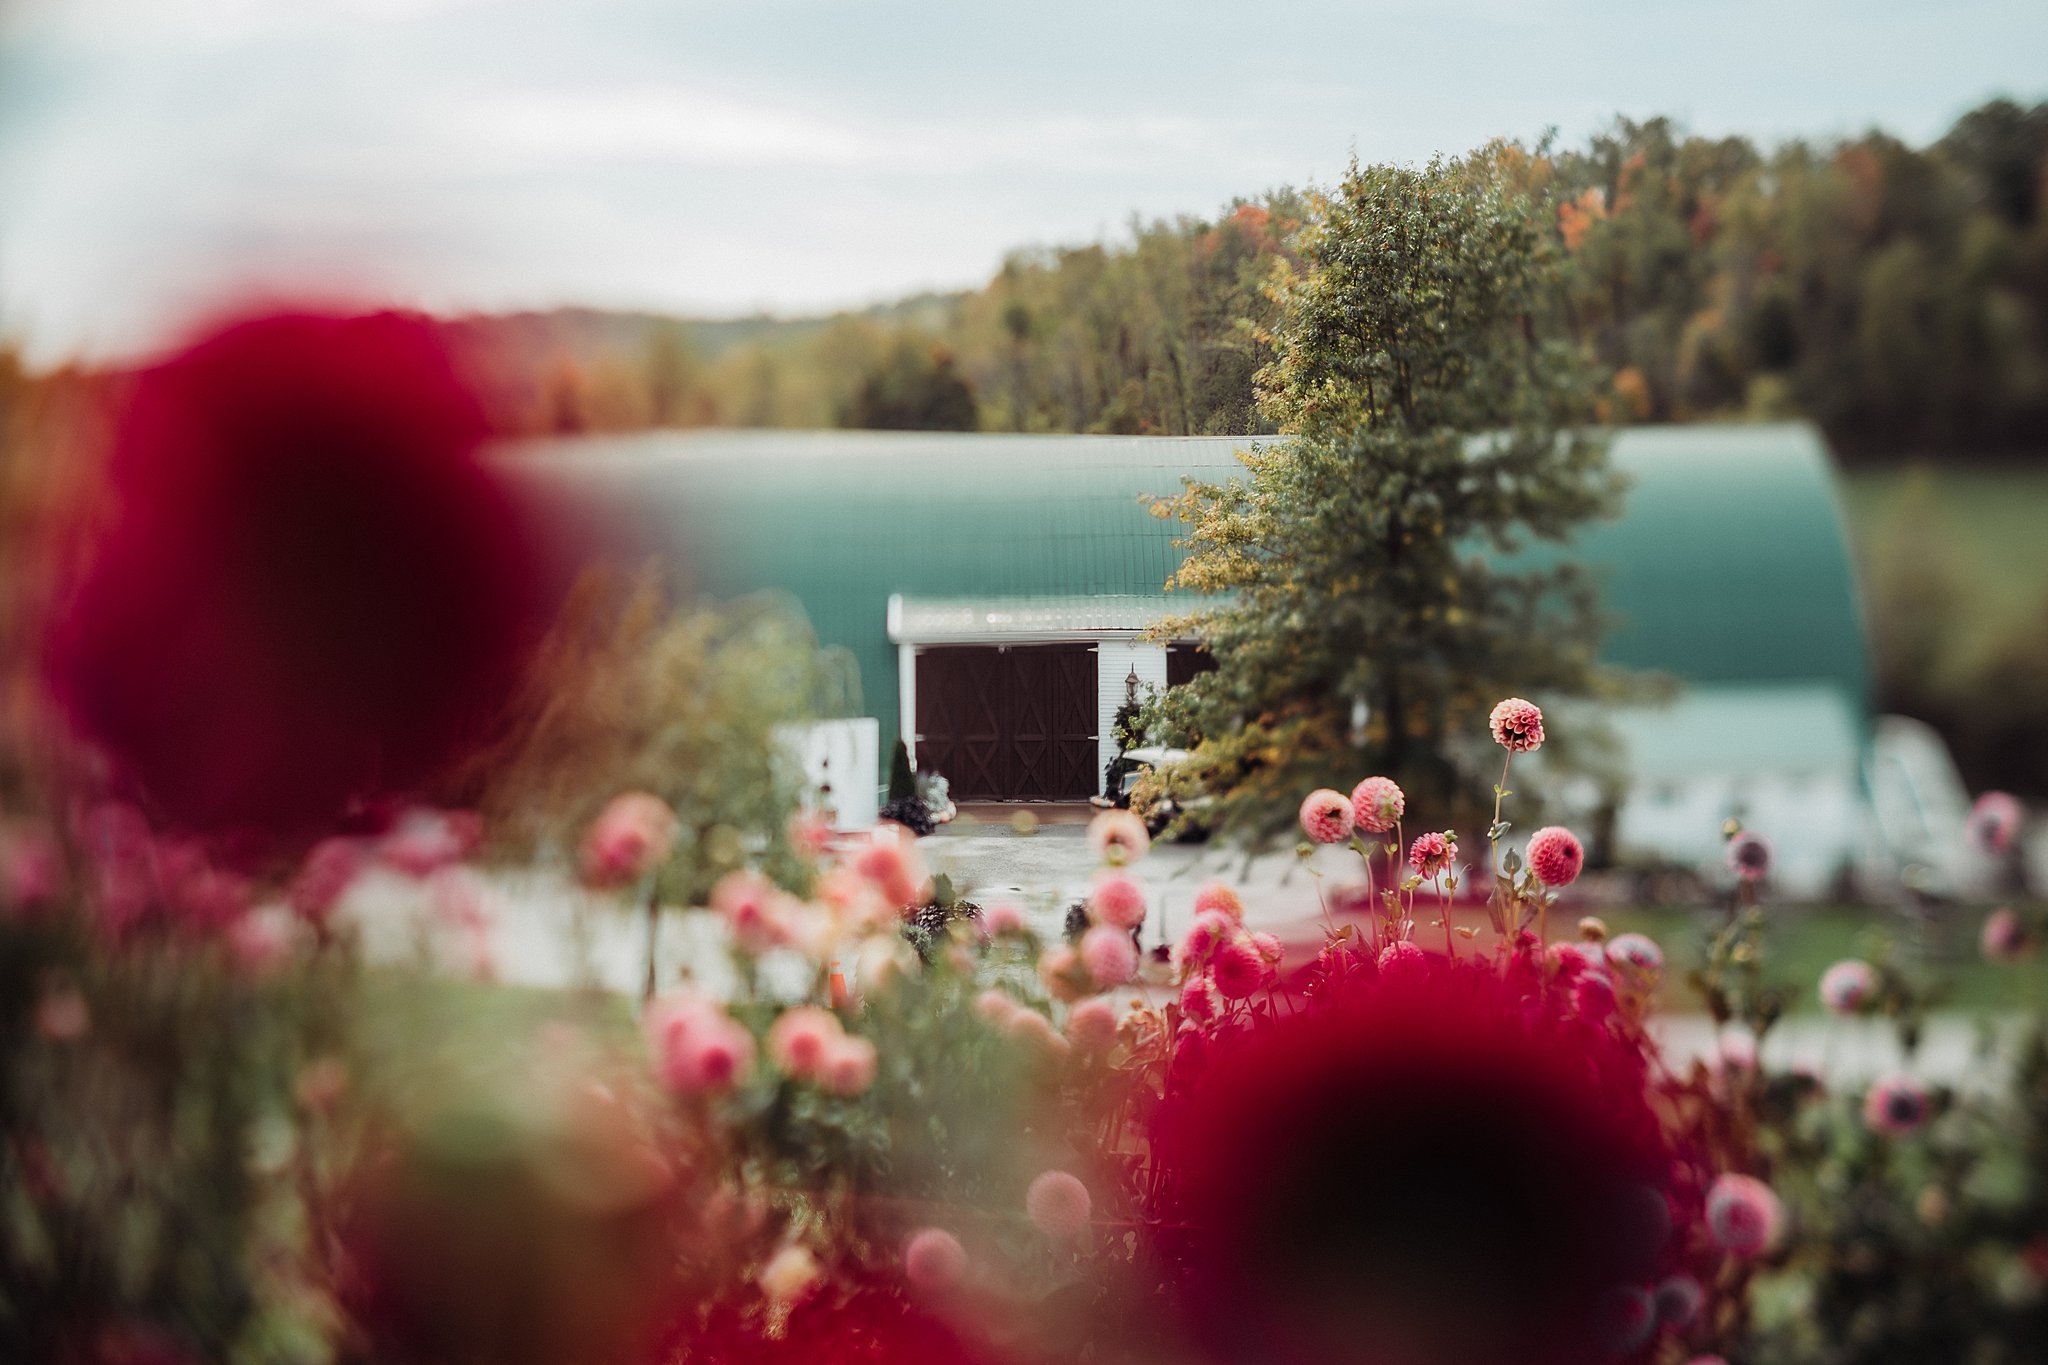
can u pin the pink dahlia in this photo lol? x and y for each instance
(1555, 855)
(890, 861)
(1517, 725)
(849, 1066)
(1238, 968)
(995, 1006)
(1744, 1216)
(1109, 956)
(1749, 855)
(1377, 804)
(1847, 986)
(753, 910)
(330, 868)
(1220, 899)
(1057, 966)
(1059, 1205)
(1431, 854)
(1326, 816)
(1091, 1025)
(1004, 917)
(629, 839)
(1896, 1105)
(2005, 935)
(698, 1049)
(934, 1260)
(1593, 997)
(1636, 956)
(1403, 960)
(1210, 928)
(1271, 950)
(1995, 817)
(1118, 900)
(1030, 1027)
(800, 1040)
(1118, 837)
(1200, 1000)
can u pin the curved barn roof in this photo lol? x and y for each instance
(1728, 565)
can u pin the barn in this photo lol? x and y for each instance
(995, 591)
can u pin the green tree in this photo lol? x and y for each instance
(1436, 413)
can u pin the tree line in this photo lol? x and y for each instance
(1897, 295)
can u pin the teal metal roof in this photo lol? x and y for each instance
(1728, 565)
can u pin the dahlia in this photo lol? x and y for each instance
(1896, 1105)
(1517, 725)
(2005, 935)
(1326, 816)
(1431, 855)
(934, 1260)
(995, 1006)
(1004, 917)
(1118, 900)
(1118, 837)
(1238, 968)
(1271, 950)
(1200, 1000)
(1210, 928)
(890, 861)
(1995, 817)
(311, 589)
(1403, 960)
(1109, 956)
(1636, 956)
(800, 1040)
(1749, 855)
(1058, 1205)
(1466, 1259)
(849, 1066)
(1555, 855)
(1091, 1025)
(1743, 1215)
(1847, 986)
(1377, 804)
(1220, 899)
(631, 837)
(754, 910)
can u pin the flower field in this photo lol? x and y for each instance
(883, 1121)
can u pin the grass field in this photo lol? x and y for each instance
(1802, 942)
(1984, 528)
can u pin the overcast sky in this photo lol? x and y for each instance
(157, 156)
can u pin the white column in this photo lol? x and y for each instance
(906, 698)
(1114, 664)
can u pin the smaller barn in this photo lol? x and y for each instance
(996, 591)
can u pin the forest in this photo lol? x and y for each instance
(1896, 295)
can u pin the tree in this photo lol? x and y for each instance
(1437, 423)
(913, 388)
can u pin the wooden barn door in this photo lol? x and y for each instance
(1015, 724)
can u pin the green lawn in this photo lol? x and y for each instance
(1980, 527)
(1802, 942)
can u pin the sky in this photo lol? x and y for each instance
(163, 159)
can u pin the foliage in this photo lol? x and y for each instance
(902, 780)
(628, 695)
(1436, 411)
(912, 389)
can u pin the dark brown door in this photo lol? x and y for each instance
(1015, 724)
